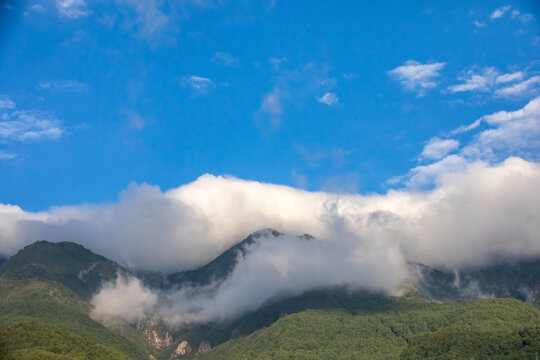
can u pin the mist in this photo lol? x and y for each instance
(481, 215)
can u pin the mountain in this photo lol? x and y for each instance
(519, 280)
(45, 290)
(489, 328)
(67, 263)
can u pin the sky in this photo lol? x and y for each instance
(160, 133)
(347, 97)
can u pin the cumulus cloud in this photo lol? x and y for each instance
(417, 77)
(479, 215)
(437, 148)
(329, 99)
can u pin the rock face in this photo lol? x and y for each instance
(204, 347)
(182, 349)
(157, 341)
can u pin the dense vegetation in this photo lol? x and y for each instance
(34, 340)
(479, 329)
(43, 282)
(44, 314)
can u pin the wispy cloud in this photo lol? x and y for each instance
(6, 155)
(72, 9)
(62, 85)
(526, 87)
(223, 58)
(6, 103)
(498, 13)
(437, 148)
(473, 81)
(329, 99)
(24, 125)
(506, 78)
(197, 84)
(417, 77)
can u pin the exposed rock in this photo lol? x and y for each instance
(204, 347)
(155, 334)
(181, 350)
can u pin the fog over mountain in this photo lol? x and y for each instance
(482, 215)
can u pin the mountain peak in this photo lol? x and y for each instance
(68, 263)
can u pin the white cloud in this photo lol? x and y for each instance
(271, 103)
(417, 77)
(72, 9)
(37, 8)
(149, 17)
(499, 12)
(6, 155)
(515, 132)
(479, 24)
(437, 148)
(6, 103)
(226, 59)
(526, 87)
(506, 78)
(23, 125)
(62, 85)
(126, 298)
(476, 82)
(199, 85)
(329, 99)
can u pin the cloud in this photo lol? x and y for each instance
(6, 155)
(329, 99)
(149, 17)
(72, 9)
(498, 13)
(476, 82)
(223, 58)
(480, 215)
(292, 87)
(417, 77)
(37, 8)
(24, 125)
(516, 132)
(61, 85)
(317, 155)
(126, 298)
(198, 84)
(526, 87)
(506, 78)
(479, 24)
(437, 148)
(6, 103)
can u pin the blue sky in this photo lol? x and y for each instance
(345, 97)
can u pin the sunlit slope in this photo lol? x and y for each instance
(42, 283)
(494, 328)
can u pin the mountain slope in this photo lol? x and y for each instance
(494, 327)
(51, 283)
(67, 263)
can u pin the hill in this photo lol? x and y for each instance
(494, 328)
